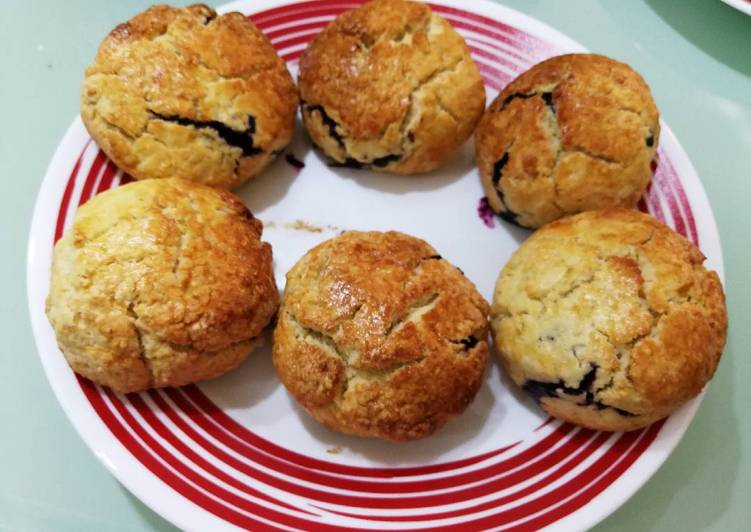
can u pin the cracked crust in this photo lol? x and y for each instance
(609, 319)
(186, 93)
(378, 336)
(574, 133)
(159, 283)
(390, 86)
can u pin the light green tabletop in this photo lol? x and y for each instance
(695, 54)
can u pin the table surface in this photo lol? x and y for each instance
(696, 56)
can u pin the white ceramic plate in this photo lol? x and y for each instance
(237, 452)
(740, 5)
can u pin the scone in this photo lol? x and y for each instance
(390, 86)
(609, 319)
(158, 283)
(379, 336)
(186, 93)
(573, 133)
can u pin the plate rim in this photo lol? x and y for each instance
(743, 6)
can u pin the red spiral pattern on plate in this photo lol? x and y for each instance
(202, 453)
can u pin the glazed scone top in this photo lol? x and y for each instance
(186, 93)
(575, 132)
(391, 85)
(379, 336)
(154, 275)
(615, 299)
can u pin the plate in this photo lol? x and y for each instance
(740, 5)
(237, 452)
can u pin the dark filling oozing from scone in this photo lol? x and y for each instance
(498, 168)
(349, 162)
(469, 342)
(333, 131)
(650, 140)
(329, 122)
(515, 96)
(547, 97)
(294, 161)
(238, 139)
(540, 389)
(439, 257)
(508, 214)
(378, 162)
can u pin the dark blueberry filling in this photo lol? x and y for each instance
(498, 168)
(411, 136)
(551, 389)
(469, 342)
(328, 121)
(514, 96)
(547, 97)
(650, 141)
(486, 213)
(433, 257)
(507, 214)
(540, 389)
(239, 139)
(349, 162)
(380, 162)
(587, 381)
(294, 161)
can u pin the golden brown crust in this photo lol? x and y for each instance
(392, 86)
(609, 318)
(186, 93)
(573, 133)
(379, 336)
(160, 283)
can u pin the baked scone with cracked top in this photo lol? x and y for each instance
(609, 319)
(162, 282)
(390, 86)
(379, 336)
(573, 133)
(186, 93)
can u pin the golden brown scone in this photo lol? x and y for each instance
(390, 86)
(379, 336)
(573, 133)
(158, 283)
(186, 93)
(609, 319)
